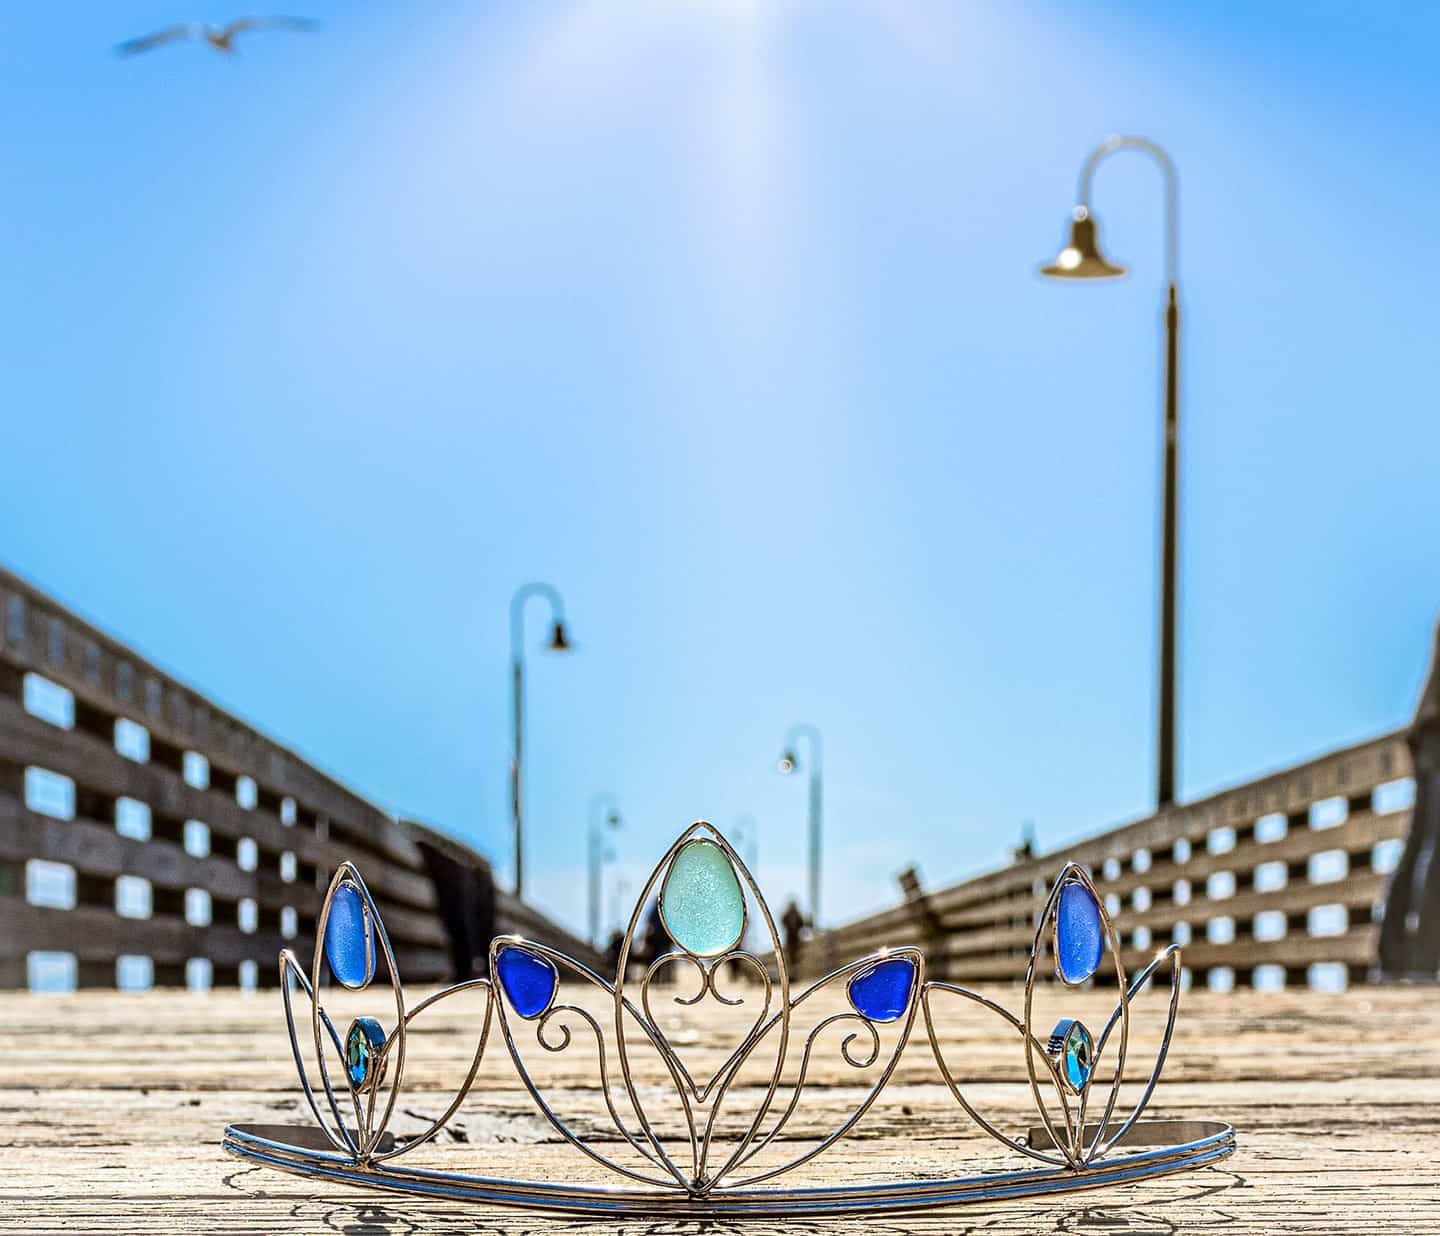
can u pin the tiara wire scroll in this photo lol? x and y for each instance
(701, 1152)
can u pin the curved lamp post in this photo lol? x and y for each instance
(1081, 259)
(604, 813)
(789, 763)
(620, 903)
(559, 642)
(747, 840)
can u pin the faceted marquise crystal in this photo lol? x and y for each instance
(529, 980)
(362, 1049)
(701, 902)
(1079, 1056)
(1079, 933)
(882, 993)
(349, 938)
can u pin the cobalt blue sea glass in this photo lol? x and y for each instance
(1079, 933)
(882, 993)
(528, 980)
(349, 938)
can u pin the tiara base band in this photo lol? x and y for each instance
(1162, 1148)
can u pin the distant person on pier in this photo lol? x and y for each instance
(612, 951)
(655, 943)
(792, 923)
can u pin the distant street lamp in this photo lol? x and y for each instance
(559, 642)
(620, 903)
(789, 763)
(1082, 259)
(747, 840)
(604, 813)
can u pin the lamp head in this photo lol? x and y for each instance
(787, 763)
(613, 819)
(559, 640)
(1081, 258)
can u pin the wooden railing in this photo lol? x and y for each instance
(149, 837)
(1271, 883)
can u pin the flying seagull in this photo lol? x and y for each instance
(221, 38)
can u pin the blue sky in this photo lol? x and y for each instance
(722, 316)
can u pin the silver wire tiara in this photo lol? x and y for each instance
(697, 1149)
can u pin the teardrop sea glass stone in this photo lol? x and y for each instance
(362, 1048)
(1079, 1056)
(701, 902)
(349, 939)
(882, 993)
(528, 979)
(1079, 935)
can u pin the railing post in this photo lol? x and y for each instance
(1410, 929)
(931, 929)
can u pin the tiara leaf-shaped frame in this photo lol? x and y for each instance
(712, 1146)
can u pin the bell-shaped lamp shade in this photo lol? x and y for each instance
(559, 641)
(787, 763)
(1081, 258)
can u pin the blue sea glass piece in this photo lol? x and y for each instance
(350, 938)
(1079, 934)
(362, 1049)
(528, 979)
(882, 993)
(701, 901)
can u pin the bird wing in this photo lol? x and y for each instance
(148, 42)
(248, 25)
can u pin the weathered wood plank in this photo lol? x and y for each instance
(112, 1106)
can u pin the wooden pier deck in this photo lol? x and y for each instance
(112, 1106)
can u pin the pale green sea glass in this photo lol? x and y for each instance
(701, 901)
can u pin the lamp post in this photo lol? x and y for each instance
(619, 900)
(789, 763)
(559, 642)
(1082, 259)
(604, 813)
(747, 840)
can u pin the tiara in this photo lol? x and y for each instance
(657, 1135)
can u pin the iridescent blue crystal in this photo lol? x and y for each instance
(1079, 1056)
(882, 993)
(528, 979)
(362, 1048)
(349, 938)
(1079, 933)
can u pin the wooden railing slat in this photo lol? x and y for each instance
(983, 928)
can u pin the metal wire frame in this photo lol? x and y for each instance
(851, 971)
(1179, 1145)
(702, 1177)
(1023, 1146)
(654, 1151)
(358, 1155)
(1048, 929)
(707, 970)
(365, 1142)
(1045, 1133)
(347, 874)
